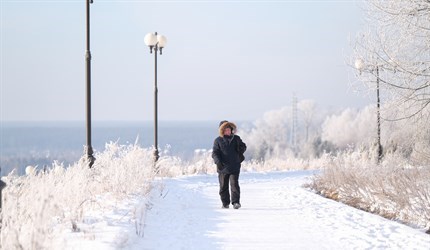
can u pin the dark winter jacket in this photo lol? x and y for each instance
(227, 152)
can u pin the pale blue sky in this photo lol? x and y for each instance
(223, 60)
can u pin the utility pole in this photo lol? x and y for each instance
(294, 125)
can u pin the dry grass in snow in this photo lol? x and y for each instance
(36, 205)
(394, 189)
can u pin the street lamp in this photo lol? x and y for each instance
(157, 43)
(88, 148)
(360, 65)
(2, 185)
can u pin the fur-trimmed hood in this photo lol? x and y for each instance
(225, 125)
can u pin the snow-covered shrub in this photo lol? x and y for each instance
(394, 189)
(202, 163)
(39, 204)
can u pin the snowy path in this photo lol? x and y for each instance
(276, 213)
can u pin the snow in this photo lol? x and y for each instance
(277, 213)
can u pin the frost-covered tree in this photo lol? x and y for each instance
(397, 44)
(350, 128)
(270, 136)
(307, 110)
(409, 137)
(356, 129)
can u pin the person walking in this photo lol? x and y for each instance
(227, 153)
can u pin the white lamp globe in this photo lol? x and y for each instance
(161, 41)
(150, 39)
(359, 64)
(30, 170)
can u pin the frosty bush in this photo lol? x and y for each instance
(37, 205)
(394, 189)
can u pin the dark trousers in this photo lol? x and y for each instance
(224, 180)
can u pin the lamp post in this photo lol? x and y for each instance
(89, 148)
(157, 43)
(359, 64)
(2, 185)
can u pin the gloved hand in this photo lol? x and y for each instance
(220, 166)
